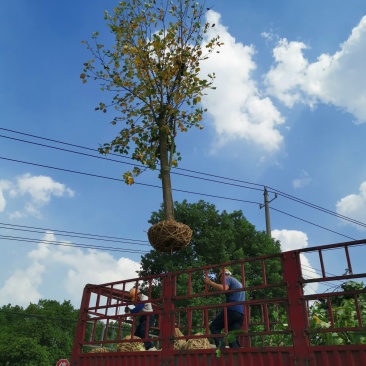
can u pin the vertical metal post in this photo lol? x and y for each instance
(266, 210)
(296, 310)
(81, 327)
(167, 324)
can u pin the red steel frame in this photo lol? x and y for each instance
(104, 304)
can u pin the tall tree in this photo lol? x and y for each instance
(153, 72)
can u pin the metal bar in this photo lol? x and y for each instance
(358, 311)
(333, 246)
(264, 277)
(335, 278)
(321, 263)
(349, 264)
(297, 310)
(330, 312)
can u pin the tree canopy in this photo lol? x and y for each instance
(217, 237)
(39, 335)
(153, 71)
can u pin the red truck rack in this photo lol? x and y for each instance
(278, 329)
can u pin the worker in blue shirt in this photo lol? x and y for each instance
(235, 312)
(146, 320)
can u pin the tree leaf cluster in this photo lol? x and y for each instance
(38, 335)
(217, 237)
(344, 314)
(153, 71)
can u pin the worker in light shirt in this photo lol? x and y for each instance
(146, 320)
(235, 313)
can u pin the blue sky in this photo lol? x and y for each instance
(289, 112)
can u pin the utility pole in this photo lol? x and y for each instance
(266, 210)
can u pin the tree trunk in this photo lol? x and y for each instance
(165, 171)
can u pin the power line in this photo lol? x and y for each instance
(126, 157)
(120, 180)
(273, 190)
(177, 190)
(70, 244)
(311, 223)
(73, 234)
(123, 162)
(298, 200)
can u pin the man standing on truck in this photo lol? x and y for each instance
(146, 320)
(235, 313)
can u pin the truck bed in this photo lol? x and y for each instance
(281, 327)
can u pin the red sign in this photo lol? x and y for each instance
(63, 362)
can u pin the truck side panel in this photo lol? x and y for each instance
(279, 328)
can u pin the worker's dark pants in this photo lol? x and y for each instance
(145, 322)
(235, 322)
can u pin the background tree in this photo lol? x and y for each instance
(39, 335)
(153, 71)
(344, 314)
(217, 237)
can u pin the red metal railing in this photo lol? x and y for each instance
(278, 327)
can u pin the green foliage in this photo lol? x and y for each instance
(344, 312)
(97, 331)
(39, 335)
(216, 238)
(153, 70)
(278, 326)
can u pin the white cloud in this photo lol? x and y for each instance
(21, 287)
(292, 240)
(41, 188)
(354, 206)
(337, 79)
(4, 185)
(288, 75)
(16, 215)
(67, 268)
(236, 106)
(37, 190)
(302, 181)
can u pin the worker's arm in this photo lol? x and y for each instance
(137, 308)
(217, 286)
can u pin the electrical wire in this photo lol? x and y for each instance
(271, 190)
(73, 234)
(70, 244)
(176, 190)
(190, 176)
(285, 195)
(120, 180)
(312, 223)
(127, 163)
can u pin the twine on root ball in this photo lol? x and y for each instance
(179, 343)
(130, 346)
(169, 236)
(99, 350)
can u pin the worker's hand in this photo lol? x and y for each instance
(206, 280)
(127, 309)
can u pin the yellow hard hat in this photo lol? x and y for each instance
(133, 292)
(225, 270)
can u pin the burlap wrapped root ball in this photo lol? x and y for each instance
(169, 236)
(179, 344)
(198, 343)
(99, 350)
(130, 346)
